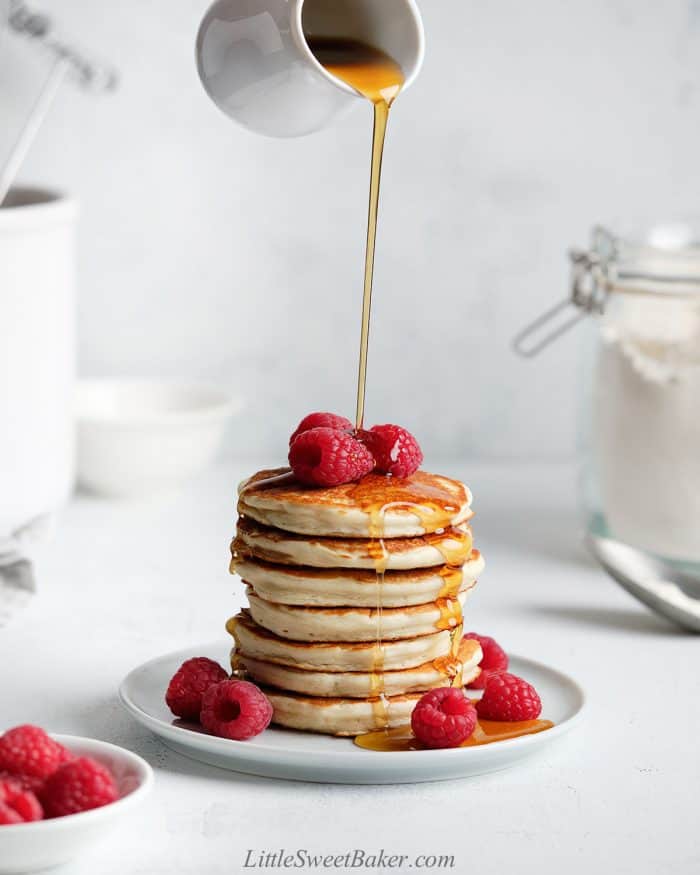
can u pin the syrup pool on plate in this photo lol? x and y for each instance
(487, 732)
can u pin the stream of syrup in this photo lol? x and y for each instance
(379, 78)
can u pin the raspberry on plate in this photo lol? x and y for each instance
(28, 751)
(189, 683)
(329, 457)
(235, 709)
(508, 697)
(443, 718)
(23, 802)
(78, 786)
(321, 420)
(394, 449)
(494, 659)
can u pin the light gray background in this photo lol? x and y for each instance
(208, 252)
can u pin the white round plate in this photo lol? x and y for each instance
(283, 753)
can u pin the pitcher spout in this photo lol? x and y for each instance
(254, 59)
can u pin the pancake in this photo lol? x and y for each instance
(256, 642)
(317, 587)
(360, 684)
(340, 716)
(378, 506)
(355, 624)
(452, 546)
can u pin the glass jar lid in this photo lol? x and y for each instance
(663, 262)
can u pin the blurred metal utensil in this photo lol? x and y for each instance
(67, 62)
(87, 72)
(31, 126)
(660, 585)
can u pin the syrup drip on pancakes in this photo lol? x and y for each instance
(381, 558)
(450, 612)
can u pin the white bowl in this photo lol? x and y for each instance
(138, 437)
(27, 847)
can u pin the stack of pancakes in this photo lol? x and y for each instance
(355, 595)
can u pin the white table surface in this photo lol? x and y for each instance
(124, 582)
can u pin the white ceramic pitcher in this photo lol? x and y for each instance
(37, 355)
(255, 63)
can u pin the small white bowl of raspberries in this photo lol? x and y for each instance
(59, 794)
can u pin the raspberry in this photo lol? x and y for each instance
(235, 709)
(77, 786)
(28, 751)
(26, 782)
(22, 802)
(494, 659)
(394, 449)
(508, 697)
(189, 683)
(328, 457)
(321, 420)
(8, 816)
(443, 718)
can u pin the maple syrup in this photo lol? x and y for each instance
(433, 504)
(450, 667)
(455, 555)
(378, 77)
(452, 577)
(401, 738)
(451, 619)
(380, 555)
(450, 614)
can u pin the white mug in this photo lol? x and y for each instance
(37, 355)
(256, 65)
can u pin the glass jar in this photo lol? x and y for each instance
(641, 415)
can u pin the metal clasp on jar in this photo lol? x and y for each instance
(589, 290)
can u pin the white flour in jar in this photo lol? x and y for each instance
(646, 424)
